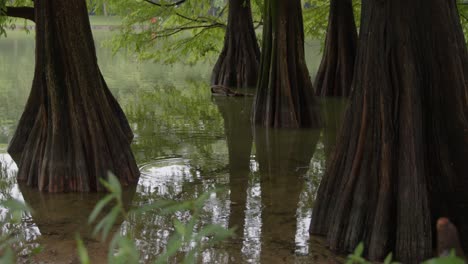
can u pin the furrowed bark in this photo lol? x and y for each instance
(337, 67)
(284, 91)
(72, 132)
(238, 63)
(401, 159)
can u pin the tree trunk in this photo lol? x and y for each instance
(237, 65)
(284, 91)
(337, 68)
(72, 131)
(402, 156)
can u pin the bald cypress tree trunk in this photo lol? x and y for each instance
(72, 131)
(284, 92)
(402, 156)
(238, 63)
(337, 67)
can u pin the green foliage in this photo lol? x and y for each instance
(10, 241)
(188, 236)
(450, 259)
(82, 251)
(356, 258)
(463, 11)
(8, 22)
(185, 33)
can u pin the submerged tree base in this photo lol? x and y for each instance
(402, 156)
(238, 63)
(72, 132)
(284, 96)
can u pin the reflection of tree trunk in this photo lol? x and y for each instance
(236, 114)
(60, 217)
(284, 157)
(336, 70)
(237, 65)
(284, 91)
(402, 156)
(72, 131)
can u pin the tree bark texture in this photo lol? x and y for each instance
(284, 91)
(238, 63)
(337, 67)
(402, 156)
(72, 131)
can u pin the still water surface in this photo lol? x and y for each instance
(186, 143)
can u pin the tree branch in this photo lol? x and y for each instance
(20, 12)
(166, 5)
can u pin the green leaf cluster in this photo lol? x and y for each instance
(188, 238)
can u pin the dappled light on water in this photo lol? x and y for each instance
(186, 144)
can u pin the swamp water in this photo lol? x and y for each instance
(186, 143)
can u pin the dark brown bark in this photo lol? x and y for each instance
(72, 131)
(284, 91)
(237, 65)
(20, 12)
(337, 67)
(402, 155)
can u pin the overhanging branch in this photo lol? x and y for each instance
(166, 5)
(20, 12)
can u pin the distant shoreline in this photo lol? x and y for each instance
(93, 27)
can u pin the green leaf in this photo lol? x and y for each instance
(98, 208)
(82, 251)
(359, 249)
(105, 225)
(388, 259)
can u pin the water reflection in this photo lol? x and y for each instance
(236, 114)
(332, 112)
(186, 143)
(60, 217)
(284, 157)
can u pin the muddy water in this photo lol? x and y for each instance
(186, 143)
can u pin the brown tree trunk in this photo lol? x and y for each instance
(72, 131)
(284, 91)
(337, 68)
(237, 65)
(402, 156)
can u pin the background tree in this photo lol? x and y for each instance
(72, 131)
(336, 70)
(237, 65)
(402, 156)
(284, 92)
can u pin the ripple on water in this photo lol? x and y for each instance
(166, 176)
